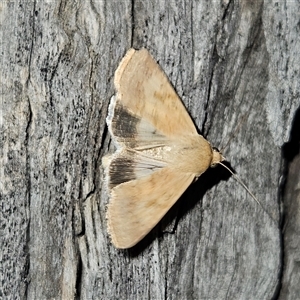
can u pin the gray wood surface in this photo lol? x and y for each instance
(235, 65)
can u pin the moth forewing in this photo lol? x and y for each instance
(137, 206)
(144, 90)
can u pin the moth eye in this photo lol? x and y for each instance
(213, 165)
(216, 149)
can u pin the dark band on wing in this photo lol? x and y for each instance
(121, 170)
(124, 124)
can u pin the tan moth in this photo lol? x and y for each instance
(159, 152)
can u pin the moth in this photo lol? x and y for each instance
(159, 152)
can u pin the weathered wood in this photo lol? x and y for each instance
(235, 64)
(291, 220)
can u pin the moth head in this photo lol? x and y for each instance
(216, 157)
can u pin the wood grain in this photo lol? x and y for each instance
(226, 60)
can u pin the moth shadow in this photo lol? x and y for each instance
(185, 203)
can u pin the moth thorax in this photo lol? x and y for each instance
(216, 158)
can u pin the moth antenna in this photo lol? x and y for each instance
(247, 189)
